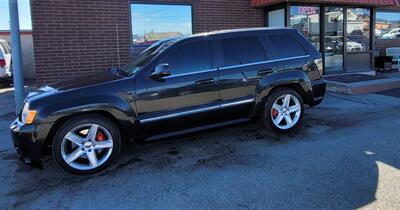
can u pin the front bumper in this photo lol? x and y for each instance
(318, 91)
(29, 142)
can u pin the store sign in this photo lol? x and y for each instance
(308, 10)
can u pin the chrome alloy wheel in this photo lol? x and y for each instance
(286, 111)
(87, 146)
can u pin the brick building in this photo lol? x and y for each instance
(76, 37)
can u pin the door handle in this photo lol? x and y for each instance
(204, 82)
(264, 72)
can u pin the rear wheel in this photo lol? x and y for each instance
(283, 111)
(86, 144)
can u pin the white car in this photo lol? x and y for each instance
(393, 34)
(5, 62)
(354, 46)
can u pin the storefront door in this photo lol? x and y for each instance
(347, 39)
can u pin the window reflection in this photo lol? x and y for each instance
(358, 29)
(306, 20)
(153, 22)
(387, 25)
(333, 39)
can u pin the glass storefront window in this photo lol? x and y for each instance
(358, 30)
(276, 18)
(152, 22)
(387, 25)
(306, 20)
(333, 39)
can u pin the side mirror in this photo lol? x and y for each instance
(161, 70)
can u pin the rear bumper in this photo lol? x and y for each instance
(5, 78)
(29, 142)
(318, 91)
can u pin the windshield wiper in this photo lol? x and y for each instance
(119, 71)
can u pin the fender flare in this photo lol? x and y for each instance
(114, 106)
(289, 78)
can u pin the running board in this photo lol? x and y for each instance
(201, 128)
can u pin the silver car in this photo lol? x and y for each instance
(5, 62)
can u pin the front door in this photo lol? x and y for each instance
(187, 98)
(347, 39)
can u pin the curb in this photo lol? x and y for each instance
(357, 88)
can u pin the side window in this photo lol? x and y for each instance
(189, 58)
(242, 50)
(286, 46)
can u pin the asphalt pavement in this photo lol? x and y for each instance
(345, 156)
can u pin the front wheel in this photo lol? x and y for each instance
(86, 144)
(283, 110)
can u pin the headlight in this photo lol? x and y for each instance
(27, 116)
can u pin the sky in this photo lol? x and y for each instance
(389, 15)
(161, 18)
(24, 15)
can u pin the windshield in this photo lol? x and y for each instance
(147, 55)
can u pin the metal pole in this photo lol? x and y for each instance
(16, 56)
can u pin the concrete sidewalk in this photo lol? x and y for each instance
(380, 82)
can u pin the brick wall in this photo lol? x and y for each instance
(75, 37)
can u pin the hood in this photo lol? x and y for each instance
(85, 80)
(74, 83)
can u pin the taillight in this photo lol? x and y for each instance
(320, 66)
(2, 63)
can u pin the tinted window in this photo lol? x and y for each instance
(190, 58)
(242, 50)
(286, 46)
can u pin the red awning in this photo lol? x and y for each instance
(261, 3)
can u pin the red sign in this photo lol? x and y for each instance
(308, 10)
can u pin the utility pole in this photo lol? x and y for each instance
(16, 56)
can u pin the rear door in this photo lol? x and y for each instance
(242, 63)
(187, 98)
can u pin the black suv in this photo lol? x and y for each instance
(175, 86)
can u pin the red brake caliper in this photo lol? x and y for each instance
(274, 113)
(100, 136)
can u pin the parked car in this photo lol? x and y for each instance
(333, 44)
(354, 46)
(393, 34)
(176, 86)
(5, 63)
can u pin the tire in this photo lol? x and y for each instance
(86, 152)
(271, 116)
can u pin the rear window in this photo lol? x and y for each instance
(286, 46)
(4, 48)
(242, 50)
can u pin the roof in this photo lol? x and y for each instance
(378, 3)
(227, 31)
